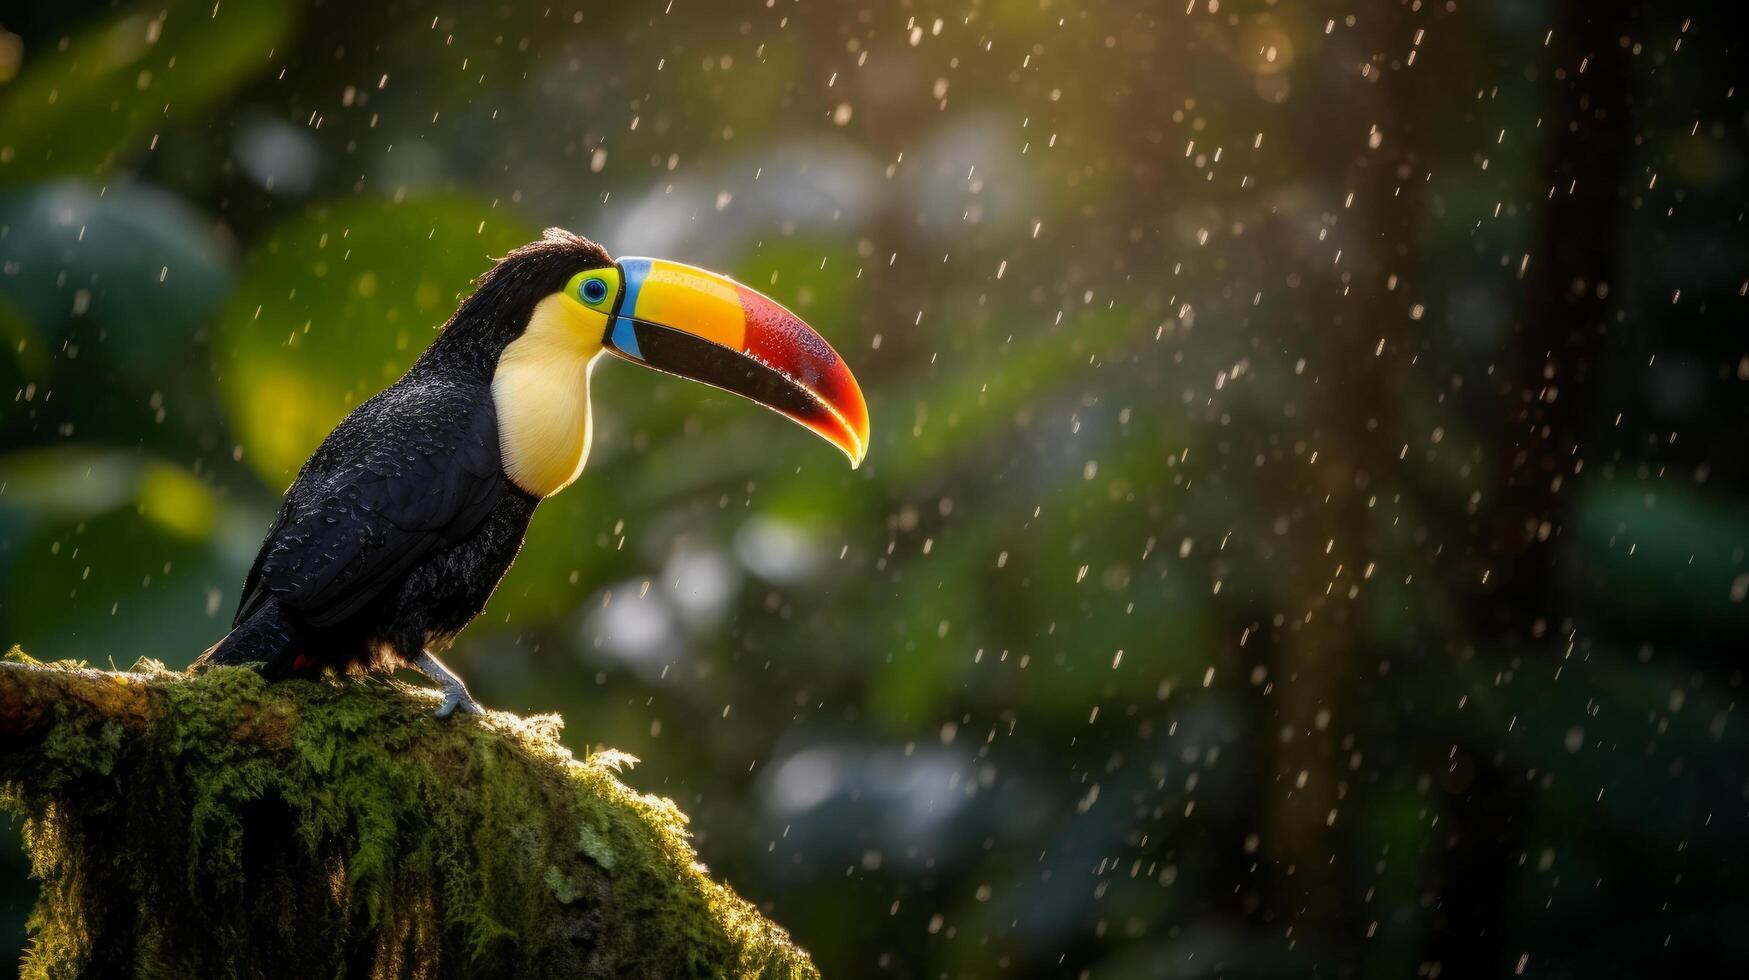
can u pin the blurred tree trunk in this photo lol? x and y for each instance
(1351, 425)
(217, 826)
(1587, 140)
(1543, 424)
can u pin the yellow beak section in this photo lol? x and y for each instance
(709, 328)
(708, 304)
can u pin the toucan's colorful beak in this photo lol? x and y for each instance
(710, 328)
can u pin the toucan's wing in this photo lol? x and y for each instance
(409, 472)
(252, 591)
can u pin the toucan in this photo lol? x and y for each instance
(400, 526)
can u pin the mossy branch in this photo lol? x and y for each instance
(32, 695)
(216, 825)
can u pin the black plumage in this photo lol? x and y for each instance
(401, 524)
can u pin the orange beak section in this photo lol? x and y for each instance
(709, 328)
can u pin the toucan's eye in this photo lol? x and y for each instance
(593, 291)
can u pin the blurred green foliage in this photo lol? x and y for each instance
(376, 276)
(1305, 527)
(98, 92)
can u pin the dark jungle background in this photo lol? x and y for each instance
(1305, 531)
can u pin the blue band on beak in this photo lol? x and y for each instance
(625, 339)
(632, 274)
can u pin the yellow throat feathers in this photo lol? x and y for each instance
(541, 393)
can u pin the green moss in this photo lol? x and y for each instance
(335, 828)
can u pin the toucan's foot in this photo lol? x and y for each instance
(454, 701)
(455, 693)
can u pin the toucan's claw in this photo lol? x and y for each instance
(452, 701)
(455, 693)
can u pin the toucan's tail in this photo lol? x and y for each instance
(268, 637)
